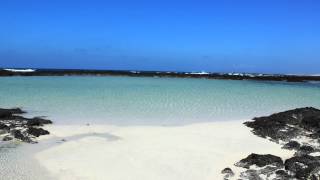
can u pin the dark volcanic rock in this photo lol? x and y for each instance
(311, 122)
(4, 127)
(250, 175)
(37, 121)
(304, 167)
(228, 173)
(260, 161)
(291, 145)
(18, 135)
(286, 125)
(282, 175)
(37, 131)
(4, 113)
(12, 125)
(303, 125)
(7, 138)
(306, 149)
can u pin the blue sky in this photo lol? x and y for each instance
(272, 36)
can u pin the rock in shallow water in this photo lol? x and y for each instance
(19, 135)
(5, 113)
(37, 121)
(37, 131)
(14, 126)
(7, 138)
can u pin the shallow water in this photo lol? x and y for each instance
(151, 101)
(137, 101)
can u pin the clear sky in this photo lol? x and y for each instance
(272, 36)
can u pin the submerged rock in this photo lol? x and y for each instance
(5, 113)
(37, 121)
(260, 161)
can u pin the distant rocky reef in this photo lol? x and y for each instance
(14, 126)
(228, 76)
(297, 130)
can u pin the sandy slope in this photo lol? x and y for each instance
(192, 152)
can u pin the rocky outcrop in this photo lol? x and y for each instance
(37, 131)
(15, 126)
(297, 130)
(260, 161)
(304, 167)
(287, 125)
(229, 76)
(228, 173)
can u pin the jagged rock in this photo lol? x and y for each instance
(37, 121)
(303, 125)
(7, 138)
(306, 149)
(260, 161)
(311, 122)
(20, 127)
(18, 135)
(228, 173)
(268, 170)
(4, 113)
(291, 145)
(304, 167)
(37, 131)
(286, 125)
(282, 175)
(250, 175)
(4, 128)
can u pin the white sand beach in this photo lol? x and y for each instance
(191, 152)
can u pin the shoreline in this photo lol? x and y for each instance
(281, 145)
(196, 151)
(169, 74)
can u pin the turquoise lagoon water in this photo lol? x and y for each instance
(151, 101)
(137, 101)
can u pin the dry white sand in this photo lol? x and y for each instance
(192, 152)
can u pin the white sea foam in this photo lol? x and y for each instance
(200, 73)
(21, 70)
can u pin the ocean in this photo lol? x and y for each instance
(132, 101)
(151, 101)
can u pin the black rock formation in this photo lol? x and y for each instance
(260, 161)
(37, 131)
(297, 130)
(14, 126)
(228, 173)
